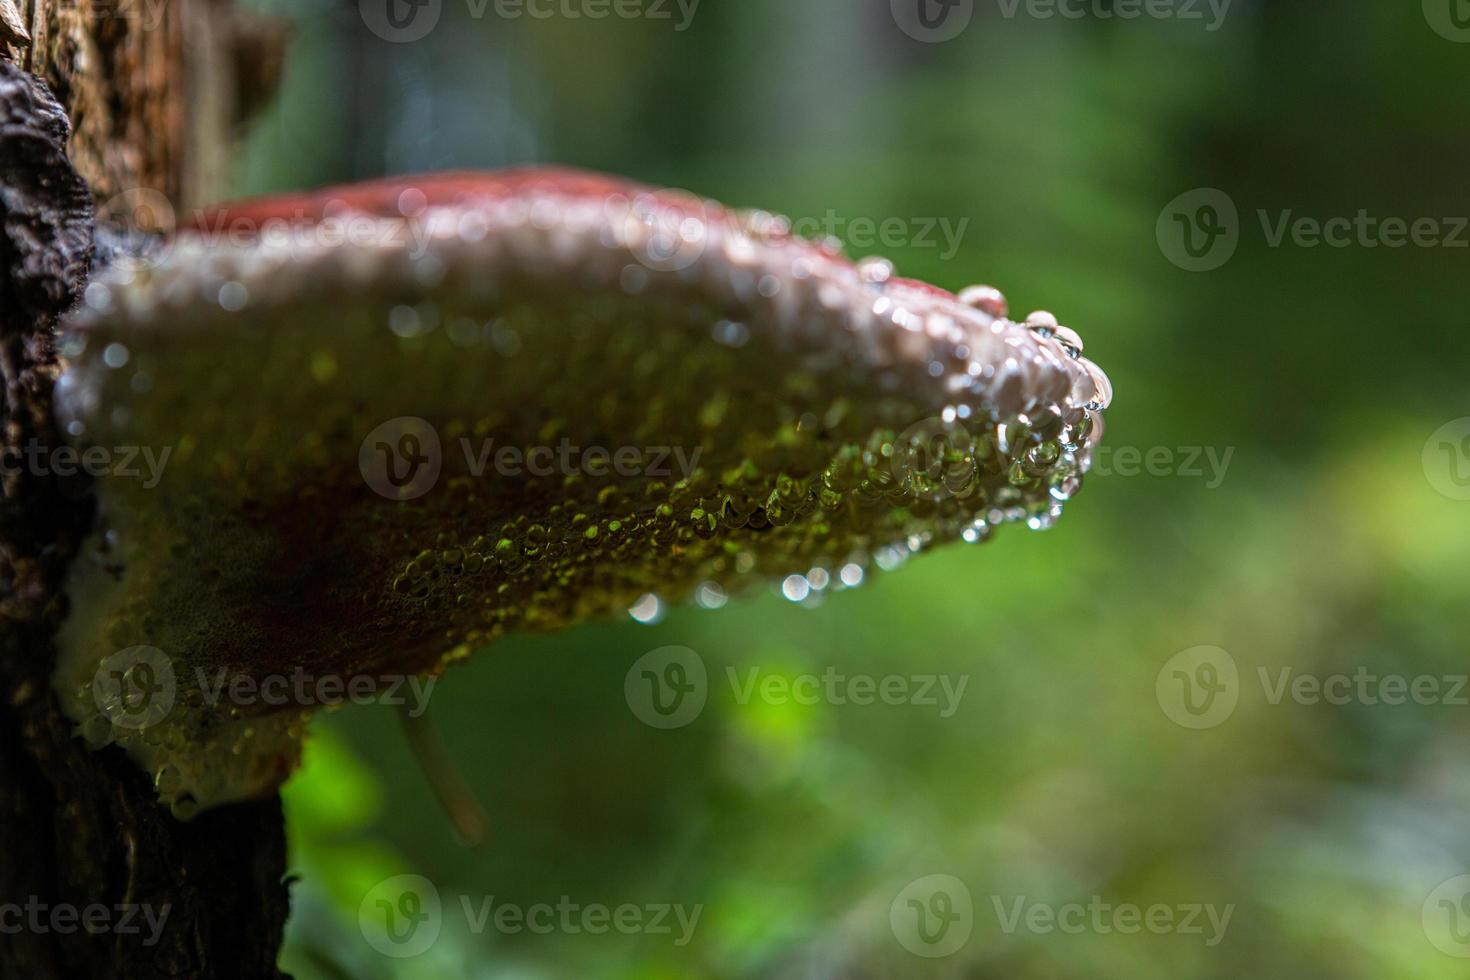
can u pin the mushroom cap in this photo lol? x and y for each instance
(404, 418)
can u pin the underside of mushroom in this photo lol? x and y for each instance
(397, 421)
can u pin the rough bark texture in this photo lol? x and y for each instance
(81, 830)
(154, 89)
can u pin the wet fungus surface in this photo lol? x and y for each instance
(400, 420)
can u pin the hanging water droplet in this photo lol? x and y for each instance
(649, 609)
(875, 270)
(709, 595)
(730, 333)
(986, 299)
(796, 588)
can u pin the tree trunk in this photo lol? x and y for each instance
(96, 879)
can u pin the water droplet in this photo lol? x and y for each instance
(986, 299)
(709, 595)
(649, 609)
(875, 270)
(796, 588)
(730, 333)
(233, 296)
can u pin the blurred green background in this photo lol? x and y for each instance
(1334, 542)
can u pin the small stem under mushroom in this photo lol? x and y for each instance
(465, 813)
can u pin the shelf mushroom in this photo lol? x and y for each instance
(401, 419)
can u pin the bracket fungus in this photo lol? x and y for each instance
(401, 419)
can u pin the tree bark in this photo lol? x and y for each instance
(96, 879)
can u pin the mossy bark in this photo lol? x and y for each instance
(97, 880)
